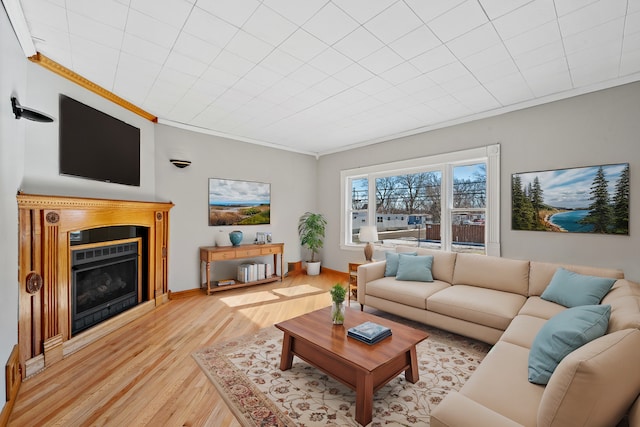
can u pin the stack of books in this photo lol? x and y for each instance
(252, 271)
(369, 332)
(226, 282)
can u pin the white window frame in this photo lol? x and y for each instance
(489, 154)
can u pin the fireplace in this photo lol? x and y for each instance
(86, 268)
(105, 281)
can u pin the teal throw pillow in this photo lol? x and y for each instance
(391, 268)
(563, 333)
(416, 268)
(572, 289)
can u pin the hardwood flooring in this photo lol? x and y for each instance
(144, 375)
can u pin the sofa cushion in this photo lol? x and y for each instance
(501, 274)
(624, 299)
(634, 413)
(392, 258)
(486, 307)
(536, 306)
(594, 385)
(561, 335)
(540, 274)
(415, 268)
(500, 384)
(572, 289)
(458, 410)
(523, 330)
(443, 261)
(413, 294)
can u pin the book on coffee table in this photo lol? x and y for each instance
(369, 332)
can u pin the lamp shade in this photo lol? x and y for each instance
(368, 233)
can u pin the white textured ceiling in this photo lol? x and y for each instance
(319, 76)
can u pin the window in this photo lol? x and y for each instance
(448, 201)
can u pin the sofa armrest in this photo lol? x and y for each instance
(367, 273)
(634, 413)
(460, 411)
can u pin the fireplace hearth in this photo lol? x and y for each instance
(104, 282)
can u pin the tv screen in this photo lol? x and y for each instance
(96, 146)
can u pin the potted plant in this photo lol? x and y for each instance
(338, 292)
(311, 228)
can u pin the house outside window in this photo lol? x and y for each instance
(448, 202)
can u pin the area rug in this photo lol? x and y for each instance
(246, 373)
(295, 291)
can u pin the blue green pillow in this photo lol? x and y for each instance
(572, 289)
(416, 268)
(391, 268)
(563, 333)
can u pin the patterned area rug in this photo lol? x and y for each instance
(246, 373)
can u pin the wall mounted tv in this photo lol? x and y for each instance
(96, 146)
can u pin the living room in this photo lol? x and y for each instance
(595, 128)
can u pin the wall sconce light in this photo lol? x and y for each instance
(19, 111)
(180, 163)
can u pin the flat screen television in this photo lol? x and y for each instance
(96, 146)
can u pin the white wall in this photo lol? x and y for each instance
(12, 141)
(41, 169)
(597, 128)
(293, 191)
(29, 162)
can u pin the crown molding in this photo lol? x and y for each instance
(76, 78)
(20, 27)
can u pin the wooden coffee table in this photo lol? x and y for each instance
(362, 367)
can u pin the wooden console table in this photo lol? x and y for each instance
(209, 254)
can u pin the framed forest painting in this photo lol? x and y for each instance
(233, 202)
(592, 199)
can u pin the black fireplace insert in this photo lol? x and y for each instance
(104, 283)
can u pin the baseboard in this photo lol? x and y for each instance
(6, 412)
(185, 294)
(13, 380)
(336, 272)
(198, 291)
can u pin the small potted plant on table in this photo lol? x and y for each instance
(338, 293)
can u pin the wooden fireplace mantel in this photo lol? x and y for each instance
(45, 224)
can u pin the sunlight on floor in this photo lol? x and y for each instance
(248, 299)
(297, 290)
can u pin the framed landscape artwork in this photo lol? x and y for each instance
(233, 202)
(593, 199)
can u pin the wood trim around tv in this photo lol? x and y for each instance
(63, 71)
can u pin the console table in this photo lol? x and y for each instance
(209, 254)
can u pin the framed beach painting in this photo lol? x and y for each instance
(233, 202)
(592, 199)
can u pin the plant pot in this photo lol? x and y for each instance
(313, 268)
(337, 312)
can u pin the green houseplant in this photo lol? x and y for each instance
(338, 293)
(311, 228)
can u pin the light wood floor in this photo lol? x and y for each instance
(144, 375)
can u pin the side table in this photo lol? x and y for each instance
(353, 282)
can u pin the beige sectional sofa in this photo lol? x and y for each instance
(497, 300)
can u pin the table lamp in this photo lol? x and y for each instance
(368, 234)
